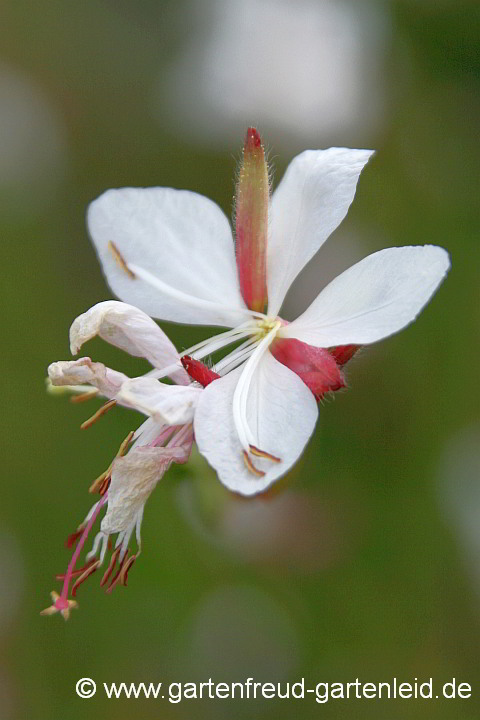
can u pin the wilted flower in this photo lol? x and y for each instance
(163, 438)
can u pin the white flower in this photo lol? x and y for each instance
(171, 253)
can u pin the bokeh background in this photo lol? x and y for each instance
(367, 562)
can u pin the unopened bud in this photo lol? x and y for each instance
(252, 198)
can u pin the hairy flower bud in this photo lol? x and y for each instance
(252, 197)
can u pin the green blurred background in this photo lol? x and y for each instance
(367, 564)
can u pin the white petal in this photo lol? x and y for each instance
(182, 239)
(281, 412)
(134, 477)
(375, 298)
(309, 203)
(130, 329)
(169, 404)
(79, 372)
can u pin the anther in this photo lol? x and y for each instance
(76, 573)
(105, 485)
(125, 569)
(251, 466)
(118, 576)
(100, 482)
(83, 397)
(109, 570)
(72, 539)
(96, 416)
(263, 454)
(86, 573)
(120, 260)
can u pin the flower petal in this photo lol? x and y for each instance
(85, 371)
(169, 404)
(309, 203)
(182, 239)
(375, 298)
(130, 329)
(134, 477)
(281, 413)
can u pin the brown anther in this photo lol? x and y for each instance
(251, 466)
(263, 454)
(83, 397)
(105, 485)
(100, 482)
(76, 573)
(86, 573)
(120, 260)
(125, 569)
(121, 574)
(109, 570)
(96, 416)
(116, 578)
(123, 447)
(72, 539)
(97, 484)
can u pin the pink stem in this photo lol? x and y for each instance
(80, 544)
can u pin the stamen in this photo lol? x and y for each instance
(240, 396)
(98, 484)
(117, 577)
(94, 487)
(165, 435)
(185, 297)
(84, 396)
(89, 571)
(60, 602)
(263, 454)
(159, 373)
(105, 485)
(96, 416)
(110, 567)
(217, 342)
(126, 567)
(236, 357)
(251, 466)
(120, 260)
(72, 539)
(125, 443)
(75, 573)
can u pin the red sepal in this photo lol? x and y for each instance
(315, 366)
(198, 371)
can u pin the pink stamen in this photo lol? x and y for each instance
(164, 436)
